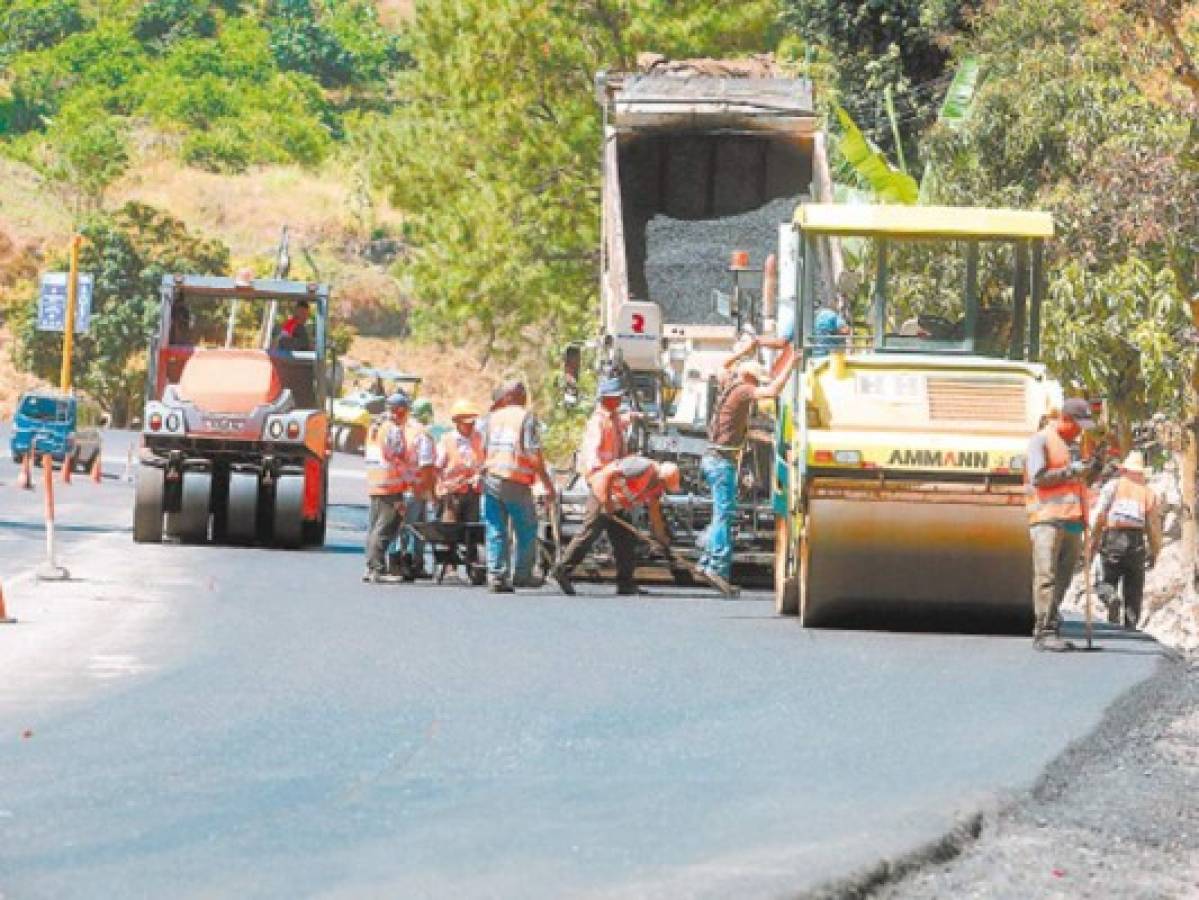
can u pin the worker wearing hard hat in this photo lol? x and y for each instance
(616, 489)
(746, 382)
(460, 466)
(1056, 490)
(604, 437)
(400, 461)
(512, 464)
(1126, 532)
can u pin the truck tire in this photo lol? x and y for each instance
(147, 505)
(242, 518)
(786, 587)
(195, 507)
(288, 516)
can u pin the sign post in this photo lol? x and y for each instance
(68, 334)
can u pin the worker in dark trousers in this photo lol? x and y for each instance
(616, 489)
(1126, 530)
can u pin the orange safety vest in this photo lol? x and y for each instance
(389, 473)
(603, 442)
(460, 468)
(1132, 505)
(505, 456)
(630, 492)
(1066, 502)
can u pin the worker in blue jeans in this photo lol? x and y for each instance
(745, 383)
(512, 464)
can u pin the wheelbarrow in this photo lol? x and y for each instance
(454, 544)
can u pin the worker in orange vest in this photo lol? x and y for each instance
(616, 489)
(604, 437)
(400, 461)
(512, 464)
(1056, 491)
(460, 465)
(1125, 520)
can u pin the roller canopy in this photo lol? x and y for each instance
(945, 222)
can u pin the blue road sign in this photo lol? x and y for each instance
(52, 303)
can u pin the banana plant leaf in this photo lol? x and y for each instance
(888, 183)
(959, 99)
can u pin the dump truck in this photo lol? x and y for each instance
(901, 445)
(235, 430)
(703, 161)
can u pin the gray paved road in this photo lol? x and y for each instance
(277, 728)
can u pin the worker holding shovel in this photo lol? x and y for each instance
(616, 489)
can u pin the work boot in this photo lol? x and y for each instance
(628, 589)
(1045, 637)
(499, 586)
(562, 577)
(527, 581)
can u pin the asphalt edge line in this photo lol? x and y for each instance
(1116, 723)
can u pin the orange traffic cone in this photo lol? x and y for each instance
(5, 619)
(97, 474)
(25, 476)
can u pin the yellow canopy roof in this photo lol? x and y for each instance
(948, 222)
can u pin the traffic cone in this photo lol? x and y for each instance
(5, 619)
(97, 474)
(25, 476)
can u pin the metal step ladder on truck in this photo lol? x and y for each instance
(900, 448)
(236, 430)
(702, 160)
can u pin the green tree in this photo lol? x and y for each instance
(880, 45)
(37, 24)
(127, 254)
(86, 151)
(160, 23)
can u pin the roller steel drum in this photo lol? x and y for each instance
(896, 553)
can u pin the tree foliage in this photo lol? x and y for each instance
(127, 254)
(879, 44)
(37, 24)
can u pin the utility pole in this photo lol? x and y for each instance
(68, 335)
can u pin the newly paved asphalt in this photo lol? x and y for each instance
(278, 728)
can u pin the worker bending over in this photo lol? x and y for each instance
(616, 489)
(1056, 492)
(400, 462)
(1124, 521)
(745, 383)
(512, 464)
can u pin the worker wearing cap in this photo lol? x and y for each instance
(512, 464)
(1124, 521)
(1056, 490)
(746, 382)
(828, 331)
(617, 488)
(400, 461)
(460, 466)
(604, 437)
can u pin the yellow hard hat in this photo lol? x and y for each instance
(464, 409)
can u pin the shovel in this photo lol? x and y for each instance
(729, 591)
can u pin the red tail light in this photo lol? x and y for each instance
(156, 422)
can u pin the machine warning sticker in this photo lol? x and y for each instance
(941, 459)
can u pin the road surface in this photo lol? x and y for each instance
(194, 721)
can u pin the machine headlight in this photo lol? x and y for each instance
(275, 429)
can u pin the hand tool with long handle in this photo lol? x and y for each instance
(715, 580)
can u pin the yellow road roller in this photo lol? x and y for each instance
(900, 444)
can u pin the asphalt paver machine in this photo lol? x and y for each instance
(235, 430)
(900, 448)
